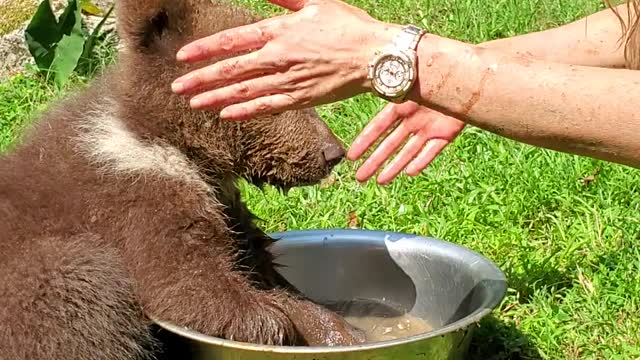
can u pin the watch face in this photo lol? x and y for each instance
(392, 74)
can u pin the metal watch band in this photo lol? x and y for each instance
(409, 37)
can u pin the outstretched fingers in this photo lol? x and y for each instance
(293, 5)
(404, 157)
(260, 106)
(240, 93)
(382, 153)
(242, 38)
(225, 71)
(424, 132)
(379, 125)
(426, 156)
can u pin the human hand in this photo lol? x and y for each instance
(428, 132)
(316, 55)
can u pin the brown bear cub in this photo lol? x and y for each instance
(120, 205)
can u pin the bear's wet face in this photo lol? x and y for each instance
(289, 149)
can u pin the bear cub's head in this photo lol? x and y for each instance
(289, 149)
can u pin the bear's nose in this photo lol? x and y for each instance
(333, 154)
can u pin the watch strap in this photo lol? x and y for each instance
(409, 38)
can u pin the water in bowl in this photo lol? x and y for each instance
(378, 329)
(380, 322)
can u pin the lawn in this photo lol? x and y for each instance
(563, 228)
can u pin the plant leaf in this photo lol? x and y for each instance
(67, 19)
(42, 35)
(69, 48)
(90, 8)
(91, 41)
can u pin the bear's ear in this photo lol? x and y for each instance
(143, 23)
(151, 31)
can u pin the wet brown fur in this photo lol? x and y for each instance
(104, 227)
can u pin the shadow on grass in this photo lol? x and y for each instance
(496, 340)
(538, 276)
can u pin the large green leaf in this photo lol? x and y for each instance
(42, 35)
(68, 18)
(70, 47)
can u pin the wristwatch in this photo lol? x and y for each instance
(392, 71)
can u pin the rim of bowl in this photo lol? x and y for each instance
(485, 309)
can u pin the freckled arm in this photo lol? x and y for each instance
(591, 41)
(577, 109)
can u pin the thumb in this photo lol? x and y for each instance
(293, 5)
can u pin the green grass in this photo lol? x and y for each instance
(23, 95)
(567, 246)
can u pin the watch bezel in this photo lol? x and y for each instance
(398, 92)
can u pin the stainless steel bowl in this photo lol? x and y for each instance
(447, 285)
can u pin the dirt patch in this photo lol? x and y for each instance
(14, 18)
(14, 13)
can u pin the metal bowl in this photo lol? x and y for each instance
(447, 285)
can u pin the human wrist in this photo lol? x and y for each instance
(442, 65)
(381, 35)
(392, 70)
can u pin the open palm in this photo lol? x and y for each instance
(426, 133)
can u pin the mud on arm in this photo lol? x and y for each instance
(577, 109)
(591, 41)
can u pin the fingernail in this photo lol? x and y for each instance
(409, 171)
(362, 177)
(384, 178)
(196, 103)
(177, 87)
(224, 114)
(182, 55)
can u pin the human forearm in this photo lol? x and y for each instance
(590, 41)
(320, 54)
(540, 103)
